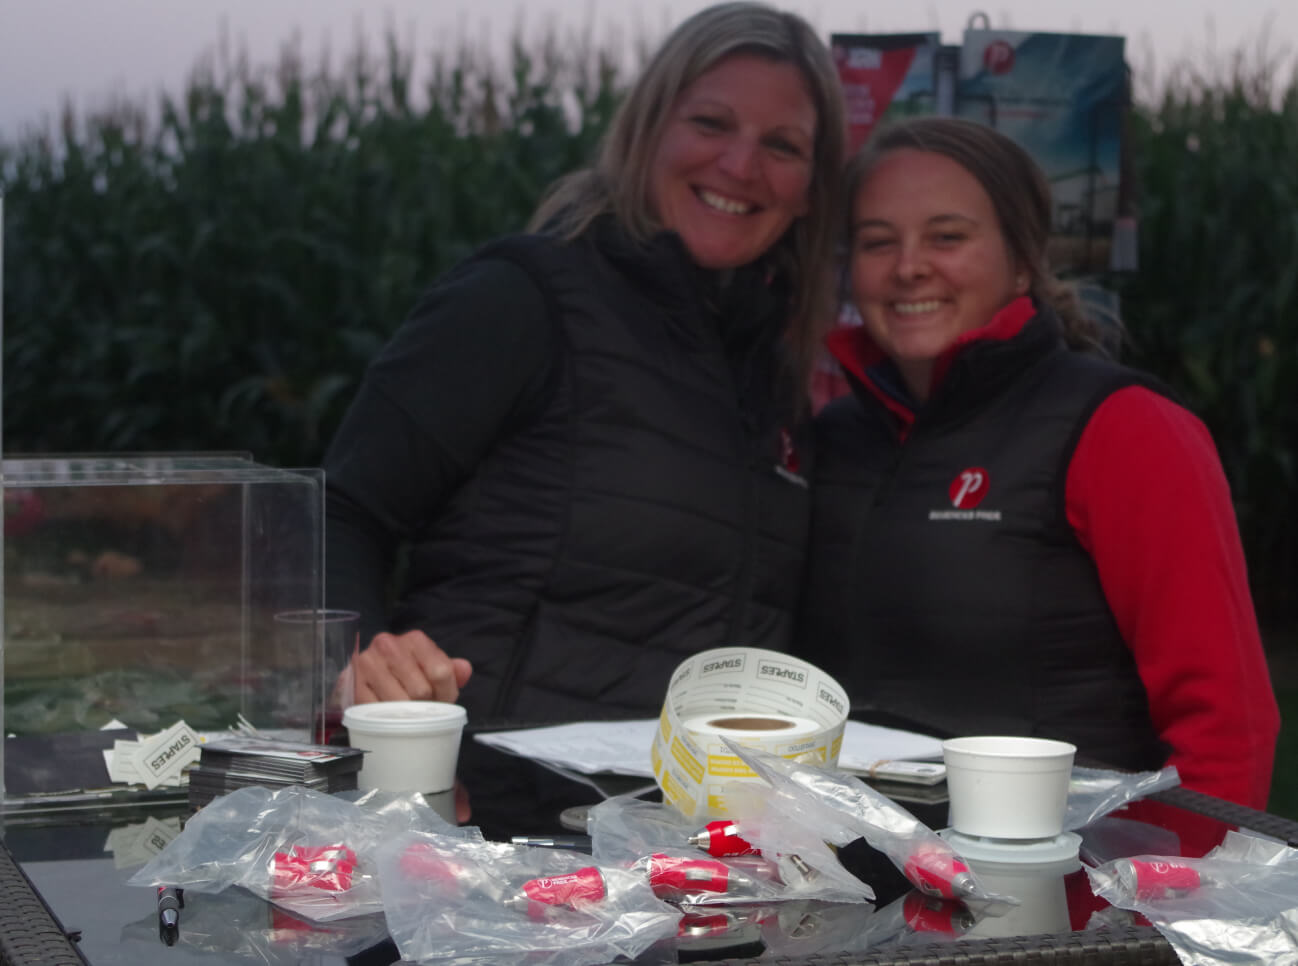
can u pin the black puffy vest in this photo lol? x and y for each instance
(646, 514)
(946, 587)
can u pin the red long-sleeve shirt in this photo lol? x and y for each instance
(1148, 500)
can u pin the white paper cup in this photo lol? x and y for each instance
(410, 746)
(1008, 787)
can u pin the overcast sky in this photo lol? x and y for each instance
(92, 50)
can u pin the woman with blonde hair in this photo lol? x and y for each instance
(589, 436)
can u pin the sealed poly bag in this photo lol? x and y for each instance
(1095, 792)
(1236, 905)
(307, 851)
(237, 925)
(842, 808)
(687, 864)
(487, 902)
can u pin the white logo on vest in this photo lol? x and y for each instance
(967, 491)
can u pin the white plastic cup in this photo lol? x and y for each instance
(410, 746)
(1007, 787)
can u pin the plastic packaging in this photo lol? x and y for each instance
(238, 925)
(1094, 792)
(304, 850)
(459, 899)
(655, 838)
(1236, 905)
(842, 808)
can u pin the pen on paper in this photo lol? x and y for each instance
(170, 902)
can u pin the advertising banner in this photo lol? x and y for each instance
(1063, 98)
(885, 75)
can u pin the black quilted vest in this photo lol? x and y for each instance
(647, 513)
(973, 612)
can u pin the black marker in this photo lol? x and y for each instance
(170, 902)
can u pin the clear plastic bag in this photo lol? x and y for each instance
(304, 850)
(655, 839)
(917, 917)
(797, 930)
(237, 924)
(842, 808)
(1236, 905)
(484, 902)
(1094, 792)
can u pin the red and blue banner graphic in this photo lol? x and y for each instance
(884, 75)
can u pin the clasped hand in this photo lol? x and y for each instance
(407, 667)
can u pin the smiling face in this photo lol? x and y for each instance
(733, 165)
(929, 261)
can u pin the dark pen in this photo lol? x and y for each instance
(170, 902)
(578, 843)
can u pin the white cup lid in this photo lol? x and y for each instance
(404, 717)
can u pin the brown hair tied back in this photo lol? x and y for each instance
(1019, 194)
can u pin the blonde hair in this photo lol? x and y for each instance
(618, 183)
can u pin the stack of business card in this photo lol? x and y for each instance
(229, 763)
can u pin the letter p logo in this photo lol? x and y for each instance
(968, 488)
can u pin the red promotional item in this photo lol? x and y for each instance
(938, 873)
(670, 876)
(1158, 879)
(720, 838)
(326, 867)
(544, 896)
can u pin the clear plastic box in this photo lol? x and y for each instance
(146, 587)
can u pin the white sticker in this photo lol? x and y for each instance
(121, 762)
(161, 757)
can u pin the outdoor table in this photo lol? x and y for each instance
(63, 899)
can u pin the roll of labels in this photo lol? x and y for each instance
(757, 698)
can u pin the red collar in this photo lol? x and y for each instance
(857, 352)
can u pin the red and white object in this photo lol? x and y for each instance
(1157, 878)
(721, 838)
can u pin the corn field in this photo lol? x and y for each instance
(218, 279)
(1213, 309)
(214, 273)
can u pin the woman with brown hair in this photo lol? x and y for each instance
(1011, 533)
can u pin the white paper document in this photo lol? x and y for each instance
(622, 747)
(866, 746)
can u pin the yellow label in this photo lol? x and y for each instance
(717, 805)
(729, 766)
(674, 794)
(683, 757)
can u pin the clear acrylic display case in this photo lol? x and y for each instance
(146, 587)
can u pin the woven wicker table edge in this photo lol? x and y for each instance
(29, 933)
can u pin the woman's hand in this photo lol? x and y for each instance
(407, 667)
